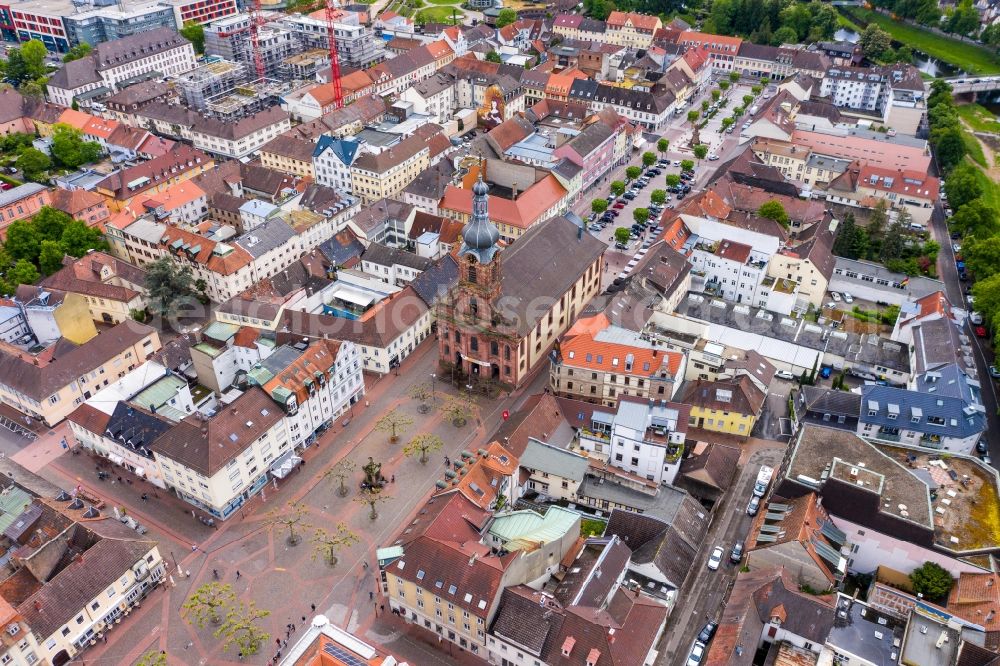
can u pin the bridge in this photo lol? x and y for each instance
(970, 83)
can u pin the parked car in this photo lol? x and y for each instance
(713, 157)
(956, 247)
(982, 446)
(736, 555)
(784, 374)
(753, 506)
(619, 205)
(955, 235)
(825, 372)
(848, 298)
(994, 373)
(986, 459)
(677, 162)
(981, 331)
(976, 318)
(715, 559)
(706, 633)
(697, 653)
(835, 296)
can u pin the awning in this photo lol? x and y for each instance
(283, 466)
(355, 296)
(118, 460)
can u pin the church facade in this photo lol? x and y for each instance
(511, 304)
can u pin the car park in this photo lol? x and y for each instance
(715, 559)
(708, 631)
(736, 554)
(753, 506)
(697, 654)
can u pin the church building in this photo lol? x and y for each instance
(511, 304)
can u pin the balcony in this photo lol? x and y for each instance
(888, 434)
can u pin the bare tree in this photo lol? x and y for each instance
(327, 544)
(241, 628)
(393, 423)
(458, 409)
(372, 498)
(296, 516)
(424, 394)
(422, 444)
(209, 603)
(342, 471)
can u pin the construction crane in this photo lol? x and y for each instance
(338, 89)
(256, 23)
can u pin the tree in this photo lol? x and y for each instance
(640, 215)
(34, 53)
(975, 218)
(327, 543)
(932, 581)
(167, 283)
(894, 242)
(598, 9)
(598, 206)
(209, 603)
(617, 188)
(658, 197)
(50, 223)
(633, 172)
(785, 35)
(622, 235)
(296, 516)
(422, 444)
(756, 89)
(727, 123)
(693, 116)
(50, 257)
(241, 628)
(34, 163)
(734, 77)
(194, 33)
(963, 185)
(69, 148)
(877, 219)
(716, 94)
(505, 17)
(648, 159)
(949, 147)
(23, 272)
(687, 165)
(982, 256)
(700, 151)
(963, 20)
(423, 394)
(77, 238)
(662, 145)
(773, 210)
(23, 241)
(705, 104)
(747, 100)
(393, 423)
(77, 52)
(724, 85)
(372, 498)
(342, 471)
(458, 409)
(987, 295)
(852, 240)
(874, 41)
(673, 180)
(493, 56)
(152, 658)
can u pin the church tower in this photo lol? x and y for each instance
(479, 260)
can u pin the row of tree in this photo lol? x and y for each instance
(68, 150)
(893, 243)
(773, 21)
(959, 19)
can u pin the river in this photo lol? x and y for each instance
(922, 61)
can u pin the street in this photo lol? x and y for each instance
(704, 592)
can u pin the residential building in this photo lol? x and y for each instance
(289, 154)
(393, 266)
(484, 329)
(552, 472)
(227, 351)
(631, 30)
(238, 139)
(323, 639)
(218, 463)
(153, 176)
(314, 383)
(725, 405)
(643, 437)
(161, 50)
(862, 185)
(81, 205)
(641, 107)
(383, 175)
(848, 641)
(227, 269)
(799, 536)
(20, 203)
(49, 387)
(51, 314)
(722, 52)
(114, 289)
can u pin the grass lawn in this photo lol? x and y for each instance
(991, 190)
(444, 2)
(441, 14)
(973, 59)
(592, 527)
(974, 149)
(979, 118)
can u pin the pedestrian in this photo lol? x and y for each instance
(277, 641)
(215, 574)
(393, 478)
(293, 628)
(119, 479)
(382, 607)
(241, 656)
(303, 619)
(371, 595)
(238, 574)
(283, 644)
(313, 607)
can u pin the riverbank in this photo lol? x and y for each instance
(970, 58)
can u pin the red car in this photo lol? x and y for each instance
(619, 205)
(981, 331)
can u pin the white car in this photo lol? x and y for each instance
(956, 248)
(677, 162)
(848, 298)
(835, 296)
(784, 374)
(715, 559)
(697, 654)
(713, 157)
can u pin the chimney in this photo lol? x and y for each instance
(38, 605)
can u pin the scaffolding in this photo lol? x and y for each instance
(245, 99)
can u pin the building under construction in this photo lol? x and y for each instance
(227, 90)
(230, 40)
(357, 45)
